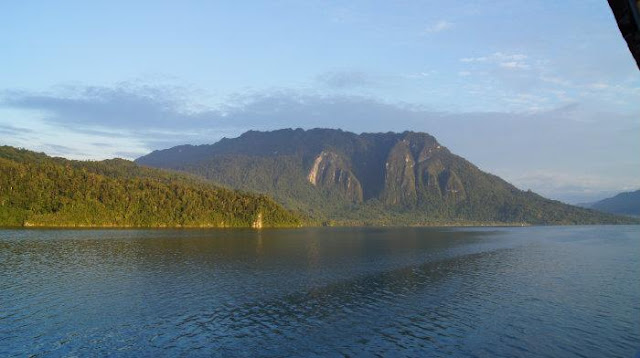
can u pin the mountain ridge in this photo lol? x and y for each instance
(406, 178)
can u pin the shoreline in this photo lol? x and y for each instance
(284, 227)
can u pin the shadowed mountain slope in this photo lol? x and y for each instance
(623, 204)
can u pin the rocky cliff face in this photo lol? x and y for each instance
(330, 171)
(414, 176)
(400, 178)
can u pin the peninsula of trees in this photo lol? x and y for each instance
(41, 191)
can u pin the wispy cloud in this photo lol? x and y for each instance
(505, 60)
(11, 130)
(515, 65)
(571, 187)
(109, 107)
(439, 26)
(346, 79)
(419, 75)
(523, 82)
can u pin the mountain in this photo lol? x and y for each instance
(623, 203)
(371, 178)
(37, 190)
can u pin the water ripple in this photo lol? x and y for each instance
(539, 292)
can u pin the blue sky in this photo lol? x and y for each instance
(542, 93)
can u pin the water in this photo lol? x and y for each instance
(526, 292)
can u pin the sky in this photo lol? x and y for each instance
(542, 93)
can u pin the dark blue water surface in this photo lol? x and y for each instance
(498, 292)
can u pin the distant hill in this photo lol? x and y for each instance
(37, 190)
(586, 205)
(623, 203)
(372, 178)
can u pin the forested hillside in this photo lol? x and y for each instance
(37, 190)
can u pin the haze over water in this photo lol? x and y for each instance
(528, 292)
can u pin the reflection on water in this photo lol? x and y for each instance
(570, 291)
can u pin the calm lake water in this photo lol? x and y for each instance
(526, 292)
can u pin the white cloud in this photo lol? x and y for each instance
(439, 26)
(555, 80)
(513, 57)
(515, 65)
(598, 86)
(473, 59)
(346, 79)
(514, 60)
(419, 75)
